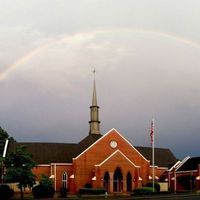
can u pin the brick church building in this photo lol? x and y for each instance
(107, 161)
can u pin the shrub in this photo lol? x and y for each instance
(5, 192)
(41, 191)
(44, 189)
(88, 185)
(156, 186)
(143, 190)
(92, 191)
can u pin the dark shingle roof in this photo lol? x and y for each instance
(87, 141)
(163, 157)
(46, 153)
(190, 164)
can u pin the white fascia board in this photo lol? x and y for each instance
(113, 155)
(175, 165)
(189, 171)
(163, 168)
(155, 166)
(113, 129)
(65, 164)
(182, 162)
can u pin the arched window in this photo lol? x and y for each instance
(118, 180)
(106, 182)
(64, 180)
(129, 182)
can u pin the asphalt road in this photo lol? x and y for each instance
(157, 197)
(164, 197)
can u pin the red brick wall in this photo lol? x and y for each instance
(43, 169)
(84, 164)
(60, 169)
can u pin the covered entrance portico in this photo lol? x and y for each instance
(117, 178)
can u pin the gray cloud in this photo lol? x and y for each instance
(141, 73)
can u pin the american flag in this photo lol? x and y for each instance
(152, 131)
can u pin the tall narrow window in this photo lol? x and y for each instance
(129, 182)
(64, 180)
(118, 180)
(106, 180)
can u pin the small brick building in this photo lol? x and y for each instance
(108, 160)
(185, 175)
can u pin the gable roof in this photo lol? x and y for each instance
(190, 164)
(163, 157)
(109, 132)
(46, 153)
(88, 141)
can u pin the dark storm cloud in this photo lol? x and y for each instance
(150, 70)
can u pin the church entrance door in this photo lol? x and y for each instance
(118, 181)
(107, 182)
(129, 182)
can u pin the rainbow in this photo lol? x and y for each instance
(65, 39)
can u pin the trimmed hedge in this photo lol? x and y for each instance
(41, 191)
(92, 191)
(5, 192)
(143, 190)
(156, 186)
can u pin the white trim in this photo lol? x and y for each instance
(94, 178)
(43, 165)
(113, 155)
(55, 177)
(140, 179)
(189, 171)
(52, 176)
(113, 129)
(174, 166)
(5, 148)
(61, 164)
(155, 166)
(182, 162)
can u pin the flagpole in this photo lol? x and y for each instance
(153, 157)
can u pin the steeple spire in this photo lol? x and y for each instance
(94, 111)
(94, 97)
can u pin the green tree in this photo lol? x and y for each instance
(46, 181)
(19, 164)
(3, 136)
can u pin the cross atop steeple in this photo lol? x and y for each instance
(94, 111)
(94, 71)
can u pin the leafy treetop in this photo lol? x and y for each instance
(3, 136)
(19, 164)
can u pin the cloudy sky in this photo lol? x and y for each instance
(147, 57)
